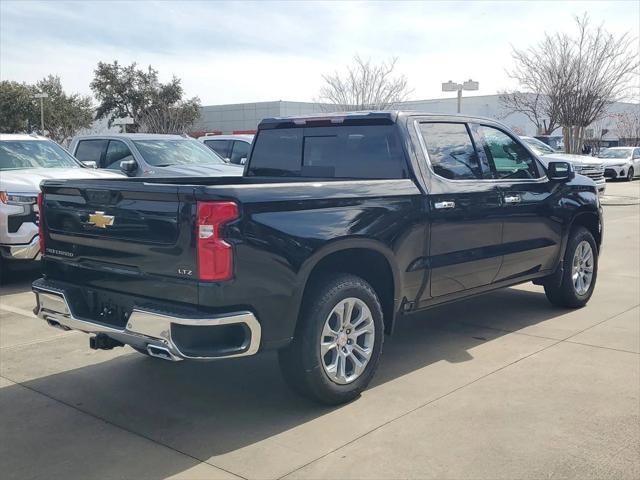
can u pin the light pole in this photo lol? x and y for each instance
(453, 87)
(41, 96)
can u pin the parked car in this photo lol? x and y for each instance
(621, 162)
(234, 148)
(26, 160)
(339, 227)
(583, 164)
(151, 155)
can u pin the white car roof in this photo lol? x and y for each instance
(247, 138)
(20, 136)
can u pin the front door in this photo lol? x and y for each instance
(531, 235)
(466, 228)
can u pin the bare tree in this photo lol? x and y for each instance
(579, 76)
(628, 127)
(365, 86)
(535, 106)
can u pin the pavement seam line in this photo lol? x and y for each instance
(482, 377)
(415, 409)
(17, 310)
(605, 348)
(120, 427)
(35, 342)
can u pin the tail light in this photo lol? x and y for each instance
(215, 256)
(41, 221)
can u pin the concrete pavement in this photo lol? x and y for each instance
(499, 386)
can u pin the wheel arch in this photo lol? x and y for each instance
(368, 259)
(589, 220)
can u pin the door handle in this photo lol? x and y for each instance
(512, 199)
(444, 205)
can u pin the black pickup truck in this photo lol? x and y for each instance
(340, 226)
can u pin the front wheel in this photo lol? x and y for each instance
(630, 175)
(579, 273)
(338, 341)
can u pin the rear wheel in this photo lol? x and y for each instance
(630, 174)
(338, 341)
(579, 274)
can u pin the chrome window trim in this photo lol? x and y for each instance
(425, 152)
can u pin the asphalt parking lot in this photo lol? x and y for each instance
(499, 386)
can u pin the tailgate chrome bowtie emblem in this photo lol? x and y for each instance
(100, 220)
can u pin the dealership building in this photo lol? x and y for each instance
(244, 117)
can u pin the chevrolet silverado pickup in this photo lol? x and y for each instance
(340, 226)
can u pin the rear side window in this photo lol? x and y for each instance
(221, 147)
(372, 151)
(451, 152)
(90, 150)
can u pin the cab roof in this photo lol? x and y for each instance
(373, 117)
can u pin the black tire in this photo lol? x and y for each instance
(630, 175)
(301, 361)
(563, 293)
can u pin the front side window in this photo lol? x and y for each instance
(164, 153)
(507, 157)
(91, 150)
(240, 152)
(20, 154)
(451, 151)
(117, 152)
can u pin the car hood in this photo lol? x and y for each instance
(28, 180)
(615, 161)
(196, 171)
(573, 159)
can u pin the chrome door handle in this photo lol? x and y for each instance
(512, 199)
(443, 205)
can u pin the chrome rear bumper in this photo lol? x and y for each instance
(146, 329)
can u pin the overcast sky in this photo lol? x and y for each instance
(234, 52)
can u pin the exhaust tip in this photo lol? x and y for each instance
(161, 352)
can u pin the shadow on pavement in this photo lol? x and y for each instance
(209, 409)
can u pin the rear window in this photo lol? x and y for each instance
(371, 152)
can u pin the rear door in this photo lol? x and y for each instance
(466, 228)
(530, 235)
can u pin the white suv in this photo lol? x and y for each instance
(26, 160)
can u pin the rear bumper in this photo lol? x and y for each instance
(151, 330)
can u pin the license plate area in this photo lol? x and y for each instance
(102, 307)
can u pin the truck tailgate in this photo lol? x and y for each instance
(119, 234)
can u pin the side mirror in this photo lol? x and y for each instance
(560, 171)
(243, 160)
(128, 166)
(227, 159)
(90, 164)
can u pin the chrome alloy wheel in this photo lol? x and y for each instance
(347, 340)
(582, 267)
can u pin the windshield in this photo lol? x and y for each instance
(538, 146)
(20, 154)
(615, 153)
(164, 153)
